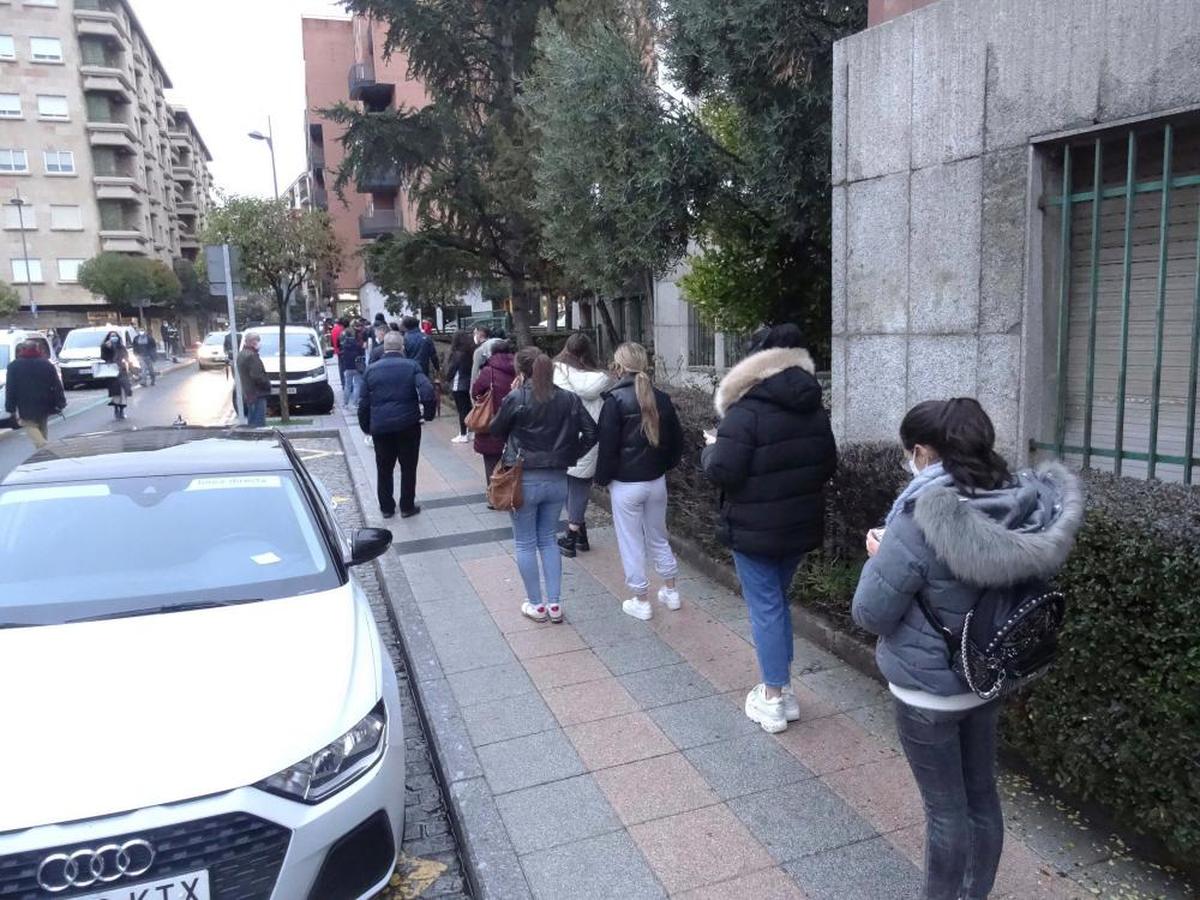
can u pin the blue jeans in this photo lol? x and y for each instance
(256, 413)
(765, 582)
(535, 530)
(953, 758)
(350, 387)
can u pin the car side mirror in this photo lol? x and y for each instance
(368, 544)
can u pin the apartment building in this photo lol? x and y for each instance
(342, 65)
(100, 159)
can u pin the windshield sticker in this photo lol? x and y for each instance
(57, 492)
(233, 482)
(266, 559)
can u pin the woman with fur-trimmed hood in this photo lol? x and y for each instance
(963, 528)
(771, 456)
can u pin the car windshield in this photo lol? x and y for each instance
(297, 344)
(217, 337)
(82, 340)
(142, 543)
(5, 359)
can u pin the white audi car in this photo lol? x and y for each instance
(194, 697)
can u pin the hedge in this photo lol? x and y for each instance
(1117, 721)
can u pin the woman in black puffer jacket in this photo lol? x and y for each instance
(771, 456)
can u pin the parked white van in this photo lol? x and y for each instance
(81, 350)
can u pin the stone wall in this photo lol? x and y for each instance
(936, 171)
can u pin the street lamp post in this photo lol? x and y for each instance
(20, 205)
(269, 137)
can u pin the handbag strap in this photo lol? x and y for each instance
(953, 641)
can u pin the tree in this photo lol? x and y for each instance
(280, 250)
(417, 269)
(130, 283)
(195, 298)
(10, 300)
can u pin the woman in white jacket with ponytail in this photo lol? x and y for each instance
(577, 370)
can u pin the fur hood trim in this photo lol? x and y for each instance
(984, 552)
(755, 369)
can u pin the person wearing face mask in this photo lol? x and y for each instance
(964, 528)
(119, 388)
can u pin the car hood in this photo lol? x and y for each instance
(104, 717)
(80, 353)
(295, 364)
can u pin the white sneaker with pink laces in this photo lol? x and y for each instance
(537, 613)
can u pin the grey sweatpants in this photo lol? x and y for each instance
(640, 516)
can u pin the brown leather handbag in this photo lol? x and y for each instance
(479, 419)
(504, 488)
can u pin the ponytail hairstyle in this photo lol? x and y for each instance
(538, 371)
(963, 436)
(632, 359)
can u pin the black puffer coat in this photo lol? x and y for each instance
(773, 455)
(625, 454)
(395, 396)
(550, 435)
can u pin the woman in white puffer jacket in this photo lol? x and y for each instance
(577, 370)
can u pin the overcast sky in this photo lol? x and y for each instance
(233, 63)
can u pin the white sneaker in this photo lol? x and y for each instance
(537, 613)
(791, 706)
(639, 609)
(767, 713)
(555, 612)
(460, 439)
(669, 597)
(369, 441)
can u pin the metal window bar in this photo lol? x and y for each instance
(1067, 198)
(702, 344)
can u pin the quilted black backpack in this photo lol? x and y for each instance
(1009, 638)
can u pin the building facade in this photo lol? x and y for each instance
(90, 144)
(342, 65)
(1016, 186)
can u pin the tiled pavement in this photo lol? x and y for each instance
(608, 757)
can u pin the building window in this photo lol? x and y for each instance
(68, 270)
(8, 47)
(45, 49)
(702, 344)
(59, 162)
(10, 106)
(53, 106)
(15, 220)
(13, 161)
(1122, 315)
(25, 271)
(66, 218)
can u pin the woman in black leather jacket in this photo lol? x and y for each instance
(549, 430)
(640, 441)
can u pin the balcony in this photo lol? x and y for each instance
(117, 135)
(186, 208)
(91, 19)
(379, 223)
(108, 79)
(117, 187)
(183, 174)
(363, 86)
(179, 139)
(379, 181)
(125, 240)
(189, 240)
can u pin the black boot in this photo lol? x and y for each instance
(581, 541)
(568, 542)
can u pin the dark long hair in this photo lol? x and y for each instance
(463, 342)
(963, 436)
(538, 372)
(579, 353)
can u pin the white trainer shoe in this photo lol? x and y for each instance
(555, 612)
(460, 439)
(767, 713)
(537, 613)
(639, 609)
(791, 706)
(669, 597)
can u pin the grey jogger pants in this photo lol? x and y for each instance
(640, 516)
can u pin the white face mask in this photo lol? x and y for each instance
(912, 466)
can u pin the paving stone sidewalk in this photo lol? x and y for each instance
(609, 757)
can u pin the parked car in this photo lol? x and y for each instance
(10, 339)
(232, 724)
(81, 350)
(213, 350)
(308, 382)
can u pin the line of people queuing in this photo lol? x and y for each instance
(965, 526)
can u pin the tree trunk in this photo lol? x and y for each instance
(521, 312)
(282, 304)
(570, 313)
(613, 337)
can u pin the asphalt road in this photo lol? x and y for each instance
(202, 398)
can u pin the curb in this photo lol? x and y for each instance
(489, 860)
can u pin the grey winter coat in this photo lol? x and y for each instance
(950, 548)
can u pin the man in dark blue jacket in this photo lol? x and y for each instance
(394, 398)
(419, 346)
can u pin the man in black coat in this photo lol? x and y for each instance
(394, 398)
(771, 456)
(33, 391)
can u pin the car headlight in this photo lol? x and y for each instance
(313, 373)
(335, 765)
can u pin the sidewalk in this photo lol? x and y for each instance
(609, 757)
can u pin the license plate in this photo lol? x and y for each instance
(192, 886)
(292, 390)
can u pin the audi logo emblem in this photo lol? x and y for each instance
(85, 867)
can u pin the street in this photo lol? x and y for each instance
(201, 398)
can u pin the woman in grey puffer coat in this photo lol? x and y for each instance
(963, 526)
